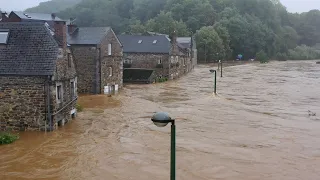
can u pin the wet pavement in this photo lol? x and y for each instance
(263, 124)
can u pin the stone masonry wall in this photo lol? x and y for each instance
(149, 61)
(65, 74)
(85, 63)
(22, 103)
(115, 61)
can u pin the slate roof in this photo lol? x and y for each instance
(36, 16)
(131, 44)
(30, 50)
(87, 35)
(184, 41)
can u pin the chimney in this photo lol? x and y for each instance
(174, 44)
(53, 16)
(60, 33)
(72, 26)
(4, 17)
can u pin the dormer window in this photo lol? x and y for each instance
(155, 41)
(140, 41)
(4, 36)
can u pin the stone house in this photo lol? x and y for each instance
(166, 57)
(38, 80)
(187, 42)
(98, 59)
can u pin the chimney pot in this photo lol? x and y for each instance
(53, 16)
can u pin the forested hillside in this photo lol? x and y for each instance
(223, 28)
(53, 6)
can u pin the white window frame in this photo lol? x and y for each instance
(172, 60)
(59, 100)
(160, 60)
(109, 49)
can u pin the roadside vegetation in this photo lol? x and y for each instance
(7, 138)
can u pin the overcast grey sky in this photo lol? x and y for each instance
(292, 5)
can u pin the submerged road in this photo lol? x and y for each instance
(258, 127)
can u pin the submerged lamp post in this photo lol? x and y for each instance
(162, 119)
(215, 80)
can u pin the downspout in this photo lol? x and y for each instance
(100, 67)
(48, 103)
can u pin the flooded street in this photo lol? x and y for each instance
(260, 126)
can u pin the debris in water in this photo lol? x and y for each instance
(311, 113)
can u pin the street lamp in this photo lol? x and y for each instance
(162, 119)
(215, 80)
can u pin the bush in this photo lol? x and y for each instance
(161, 80)
(304, 52)
(7, 138)
(79, 107)
(262, 57)
(282, 57)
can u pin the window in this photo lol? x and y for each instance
(4, 35)
(127, 61)
(140, 41)
(69, 60)
(155, 41)
(184, 62)
(177, 59)
(110, 71)
(72, 89)
(160, 61)
(172, 60)
(109, 49)
(59, 93)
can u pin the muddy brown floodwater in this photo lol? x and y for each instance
(260, 126)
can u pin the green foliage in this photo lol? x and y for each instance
(262, 57)
(79, 108)
(239, 26)
(209, 44)
(164, 23)
(282, 56)
(53, 6)
(160, 80)
(304, 52)
(7, 138)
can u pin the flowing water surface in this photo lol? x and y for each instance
(263, 124)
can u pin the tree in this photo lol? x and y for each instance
(164, 23)
(210, 45)
(262, 57)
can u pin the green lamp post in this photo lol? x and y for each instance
(162, 119)
(215, 80)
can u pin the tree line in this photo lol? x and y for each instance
(223, 28)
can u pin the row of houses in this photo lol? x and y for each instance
(46, 61)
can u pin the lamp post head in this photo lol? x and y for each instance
(212, 71)
(161, 119)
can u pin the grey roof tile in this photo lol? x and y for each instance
(131, 44)
(36, 16)
(87, 35)
(31, 50)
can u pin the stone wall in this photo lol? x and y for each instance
(93, 62)
(85, 58)
(65, 76)
(22, 103)
(149, 61)
(113, 62)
